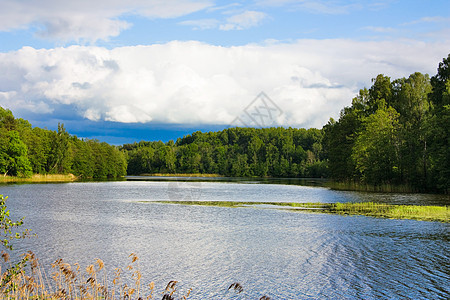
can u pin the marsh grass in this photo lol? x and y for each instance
(363, 187)
(380, 210)
(39, 178)
(27, 280)
(415, 212)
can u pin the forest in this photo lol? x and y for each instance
(236, 152)
(25, 150)
(396, 132)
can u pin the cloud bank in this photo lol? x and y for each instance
(198, 83)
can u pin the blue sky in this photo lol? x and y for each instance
(124, 71)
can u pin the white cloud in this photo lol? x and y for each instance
(379, 29)
(85, 19)
(197, 83)
(435, 19)
(201, 24)
(328, 7)
(244, 20)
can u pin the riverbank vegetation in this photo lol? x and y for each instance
(379, 210)
(38, 178)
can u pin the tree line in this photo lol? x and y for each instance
(237, 152)
(396, 132)
(25, 150)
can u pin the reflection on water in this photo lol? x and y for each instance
(280, 254)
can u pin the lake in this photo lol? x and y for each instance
(277, 253)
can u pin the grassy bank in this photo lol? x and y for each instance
(414, 212)
(39, 178)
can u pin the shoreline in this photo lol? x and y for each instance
(324, 182)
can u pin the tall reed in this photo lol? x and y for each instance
(364, 187)
(28, 280)
(39, 178)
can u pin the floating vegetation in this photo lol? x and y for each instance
(379, 210)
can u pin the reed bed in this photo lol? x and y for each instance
(379, 210)
(363, 187)
(39, 178)
(415, 212)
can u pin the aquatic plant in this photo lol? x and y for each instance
(379, 210)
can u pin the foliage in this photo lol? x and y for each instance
(439, 133)
(13, 155)
(396, 132)
(9, 227)
(277, 152)
(375, 151)
(25, 150)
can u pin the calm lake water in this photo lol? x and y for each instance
(281, 254)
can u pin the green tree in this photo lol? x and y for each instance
(7, 120)
(380, 92)
(13, 155)
(39, 147)
(82, 162)
(59, 156)
(338, 142)
(410, 99)
(254, 152)
(439, 133)
(376, 148)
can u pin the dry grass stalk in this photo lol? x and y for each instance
(26, 280)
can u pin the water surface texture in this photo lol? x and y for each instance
(281, 254)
